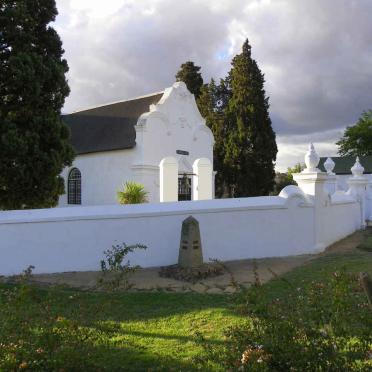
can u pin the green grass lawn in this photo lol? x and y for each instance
(133, 331)
(320, 269)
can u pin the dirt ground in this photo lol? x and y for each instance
(242, 271)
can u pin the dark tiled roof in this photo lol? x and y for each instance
(100, 133)
(343, 164)
(109, 127)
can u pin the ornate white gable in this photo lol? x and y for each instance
(176, 109)
(173, 128)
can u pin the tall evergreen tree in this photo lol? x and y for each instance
(212, 104)
(34, 143)
(207, 104)
(190, 74)
(250, 147)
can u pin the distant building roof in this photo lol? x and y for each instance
(108, 127)
(343, 164)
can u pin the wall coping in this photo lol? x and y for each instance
(142, 210)
(342, 197)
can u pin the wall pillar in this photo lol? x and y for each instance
(369, 199)
(357, 187)
(202, 179)
(313, 182)
(331, 184)
(168, 179)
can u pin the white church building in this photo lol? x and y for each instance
(159, 140)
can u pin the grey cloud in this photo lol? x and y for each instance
(136, 53)
(316, 55)
(320, 53)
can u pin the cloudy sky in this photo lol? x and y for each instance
(316, 56)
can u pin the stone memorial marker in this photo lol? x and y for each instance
(190, 252)
(190, 267)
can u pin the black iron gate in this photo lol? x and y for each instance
(184, 187)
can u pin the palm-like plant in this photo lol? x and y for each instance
(132, 193)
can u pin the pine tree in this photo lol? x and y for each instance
(250, 147)
(34, 144)
(190, 74)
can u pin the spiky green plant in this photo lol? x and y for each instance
(132, 193)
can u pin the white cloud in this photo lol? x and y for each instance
(292, 148)
(97, 8)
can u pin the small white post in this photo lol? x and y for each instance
(331, 184)
(202, 179)
(168, 179)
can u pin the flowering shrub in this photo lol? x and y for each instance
(325, 326)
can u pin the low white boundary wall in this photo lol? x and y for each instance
(300, 220)
(74, 238)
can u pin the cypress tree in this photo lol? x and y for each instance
(212, 104)
(34, 143)
(207, 104)
(190, 74)
(250, 147)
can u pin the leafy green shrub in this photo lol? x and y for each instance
(115, 273)
(132, 193)
(323, 327)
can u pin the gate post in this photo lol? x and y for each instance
(168, 179)
(357, 187)
(202, 179)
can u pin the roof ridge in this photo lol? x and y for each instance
(116, 102)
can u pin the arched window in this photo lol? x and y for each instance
(74, 187)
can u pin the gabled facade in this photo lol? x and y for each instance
(127, 141)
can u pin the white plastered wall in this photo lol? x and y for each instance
(102, 175)
(73, 239)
